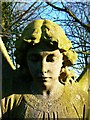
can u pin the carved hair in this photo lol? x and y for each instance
(49, 32)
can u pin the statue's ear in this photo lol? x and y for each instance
(84, 79)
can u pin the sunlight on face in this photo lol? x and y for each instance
(44, 64)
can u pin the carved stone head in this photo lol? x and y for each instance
(45, 31)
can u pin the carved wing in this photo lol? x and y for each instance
(84, 84)
(84, 79)
(5, 53)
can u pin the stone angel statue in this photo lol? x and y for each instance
(43, 86)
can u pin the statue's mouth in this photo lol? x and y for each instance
(43, 78)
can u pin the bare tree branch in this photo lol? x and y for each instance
(23, 14)
(86, 26)
(88, 53)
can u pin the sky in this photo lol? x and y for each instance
(45, 1)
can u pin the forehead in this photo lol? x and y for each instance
(43, 53)
(43, 49)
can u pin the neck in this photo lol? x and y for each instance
(48, 91)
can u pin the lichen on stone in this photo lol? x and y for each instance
(46, 31)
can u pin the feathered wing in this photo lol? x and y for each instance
(83, 79)
(83, 82)
(5, 53)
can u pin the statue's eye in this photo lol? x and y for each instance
(34, 58)
(51, 58)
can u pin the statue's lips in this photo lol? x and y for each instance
(44, 78)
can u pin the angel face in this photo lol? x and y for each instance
(44, 64)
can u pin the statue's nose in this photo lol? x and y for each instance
(44, 66)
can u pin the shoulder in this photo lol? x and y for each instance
(8, 103)
(78, 98)
(76, 93)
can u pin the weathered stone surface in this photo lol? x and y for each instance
(45, 31)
